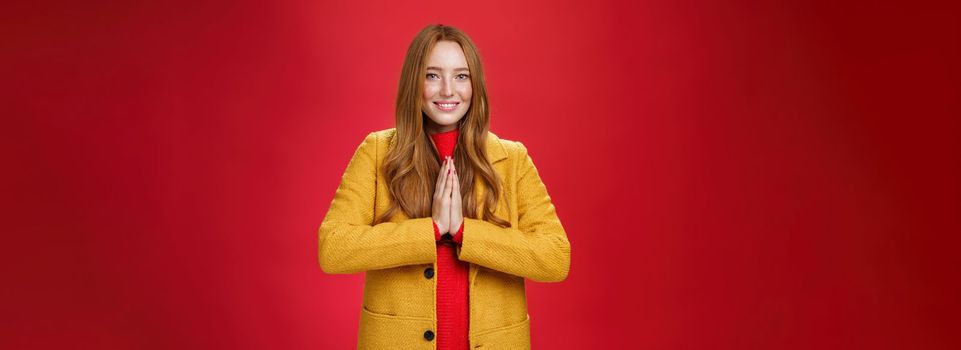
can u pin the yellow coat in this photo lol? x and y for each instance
(399, 297)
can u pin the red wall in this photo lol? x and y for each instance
(731, 174)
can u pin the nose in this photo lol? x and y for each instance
(447, 89)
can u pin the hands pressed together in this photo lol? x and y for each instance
(447, 210)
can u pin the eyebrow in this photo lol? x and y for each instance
(456, 69)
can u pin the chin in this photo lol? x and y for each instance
(446, 120)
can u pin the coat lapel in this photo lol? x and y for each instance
(495, 150)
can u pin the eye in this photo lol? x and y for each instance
(463, 76)
(432, 76)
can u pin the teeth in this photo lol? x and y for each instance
(447, 105)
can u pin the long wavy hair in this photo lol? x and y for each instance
(412, 163)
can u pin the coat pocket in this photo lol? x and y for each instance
(515, 336)
(382, 331)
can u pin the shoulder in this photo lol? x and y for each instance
(379, 136)
(499, 148)
(376, 141)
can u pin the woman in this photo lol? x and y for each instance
(446, 218)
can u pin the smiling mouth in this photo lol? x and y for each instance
(447, 106)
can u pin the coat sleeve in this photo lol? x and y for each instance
(537, 248)
(348, 243)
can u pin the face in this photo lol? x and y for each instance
(447, 88)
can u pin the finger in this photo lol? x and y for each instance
(441, 180)
(441, 173)
(449, 188)
(456, 185)
(456, 210)
(455, 204)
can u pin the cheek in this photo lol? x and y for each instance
(466, 91)
(429, 90)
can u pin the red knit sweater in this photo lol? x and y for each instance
(453, 315)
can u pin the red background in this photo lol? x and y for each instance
(731, 174)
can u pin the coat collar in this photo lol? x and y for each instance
(495, 148)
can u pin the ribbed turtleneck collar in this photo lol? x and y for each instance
(445, 142)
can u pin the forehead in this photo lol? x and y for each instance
(446, 55)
